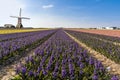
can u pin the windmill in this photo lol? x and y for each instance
(19, 24)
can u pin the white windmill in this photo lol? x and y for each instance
(19, 24)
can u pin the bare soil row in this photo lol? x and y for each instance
(114, 33)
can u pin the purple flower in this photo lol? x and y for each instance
(95, 77)
(36, 74)
(54, 74)
(27, 59)
(23, 70)
(70, 60)
(95, 71)
(81, 72)
(64, 73)
(98, 65)
(114, 78)
(56, 67)
(91, 61)
(30, 73)
(63, 62)
(80, 58)
(71, 69)
(44, 72)
(31, 59)
(17, 70)
(39, 69)
(81, 65)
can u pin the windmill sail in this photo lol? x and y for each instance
(25, 18)
(15, 16)
(20, 12)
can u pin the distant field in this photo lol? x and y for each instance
(115, 33)
(8, 31)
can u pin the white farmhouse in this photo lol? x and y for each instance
(9, 26)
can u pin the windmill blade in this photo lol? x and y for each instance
(14, 16)
(24, 18)
(20, 12)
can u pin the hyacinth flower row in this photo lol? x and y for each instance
(60, 58)
(5, 37)
(108, 49)
(104, 37)
(9, 48)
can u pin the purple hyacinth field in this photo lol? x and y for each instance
(55, 56)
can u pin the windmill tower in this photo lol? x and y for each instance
(19, 24)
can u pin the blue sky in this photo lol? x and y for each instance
(62, 13)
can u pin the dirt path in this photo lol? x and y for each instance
(113, 67)
(8, 72)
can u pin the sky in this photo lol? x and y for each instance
(62, 13)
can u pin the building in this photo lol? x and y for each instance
(111, 28)
(108, 28)
(1, 27)
(9, 26)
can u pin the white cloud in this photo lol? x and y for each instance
(97, 0)
(47, 6)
